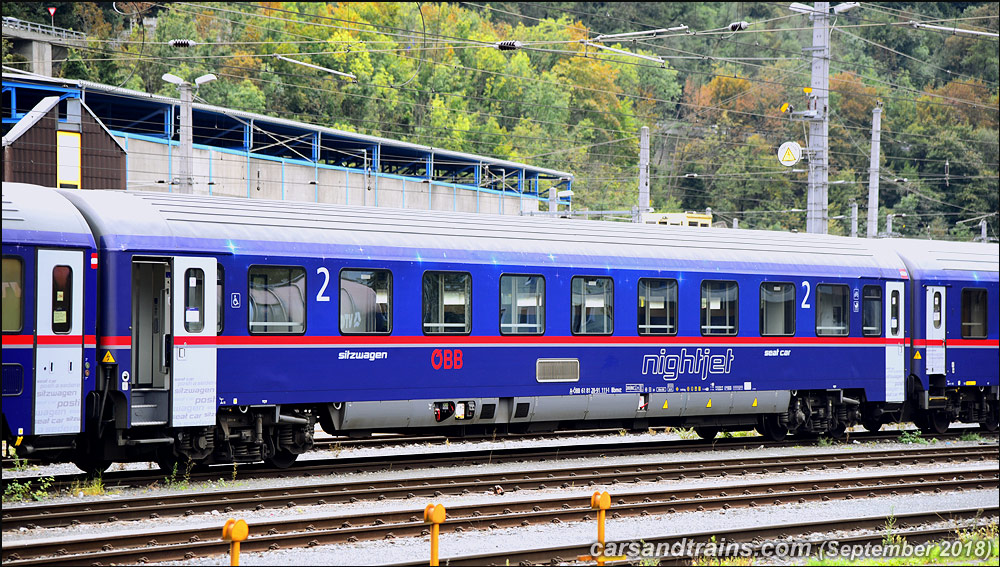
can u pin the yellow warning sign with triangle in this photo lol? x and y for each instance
(709, 404)
(916, 355)
(788, 155)
(665, 404)
(754, 403)
(108, 359)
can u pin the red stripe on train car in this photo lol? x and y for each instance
(334, 340)
(18, 340)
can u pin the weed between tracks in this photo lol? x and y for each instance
(914, 438)
(17, 491)
(90, 487)
(972, 546)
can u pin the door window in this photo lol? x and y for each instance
(62, 299)
(936, 299)
(194, 300)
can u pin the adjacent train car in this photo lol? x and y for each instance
(49, 287)
(955, 352)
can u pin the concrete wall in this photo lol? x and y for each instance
(235, 175)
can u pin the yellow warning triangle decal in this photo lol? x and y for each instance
(665, 404)
(709, 404)
(788, 155)
(754, 402)
(108, 359)
(916, 355)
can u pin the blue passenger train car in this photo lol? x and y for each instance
(227, 328)
(49, 272)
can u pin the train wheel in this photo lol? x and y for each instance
(872, 425)
(91, 465)
(838, 432)
(935, 423)
(283, 459)
(772, 430)
(707, 433)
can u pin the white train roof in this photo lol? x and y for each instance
(252, 226)
(33, 208)
(941, 258)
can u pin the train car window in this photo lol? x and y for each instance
(871, 312)
(719, 308)
(777, 309)
(831, 310)
(973, 313)
(13, 294)
(447, 304)
(365, 302)
(522, 305)
(592, 308)
(62, 299)
(194, 300)
(277, 299)
(657, 307)
(936, 319)
(894, 311)
(220, 292)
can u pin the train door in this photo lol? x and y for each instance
(59, 342)
(895, 344)
(151, 322)
(173, 338)
(935, 361)
(194, 350)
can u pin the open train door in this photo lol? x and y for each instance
(59, 333)
(194, 361)
(895, 344)
(935, 359)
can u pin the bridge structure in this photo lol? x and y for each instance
(40, 44)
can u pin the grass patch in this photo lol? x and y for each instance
(971, 436)
(979, 545)
(91, 487)
(17, 491)
(912, 438)
(686, 433)
(733, 434)
(824, 441)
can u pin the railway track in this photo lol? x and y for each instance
(450, 459)
(435, 484)
(180, 544)
(326, 442)
(970, 518)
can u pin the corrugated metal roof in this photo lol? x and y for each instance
(603, 243)
(85, 85)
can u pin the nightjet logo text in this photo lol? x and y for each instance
(699, 363)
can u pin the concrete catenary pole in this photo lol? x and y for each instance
(873, 171)
(819, 125)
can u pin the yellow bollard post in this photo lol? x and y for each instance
(235, 531)
(434, 514)
(600, 501)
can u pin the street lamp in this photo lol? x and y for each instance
(187, 127)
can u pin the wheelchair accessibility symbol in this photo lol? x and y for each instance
(234, 302)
